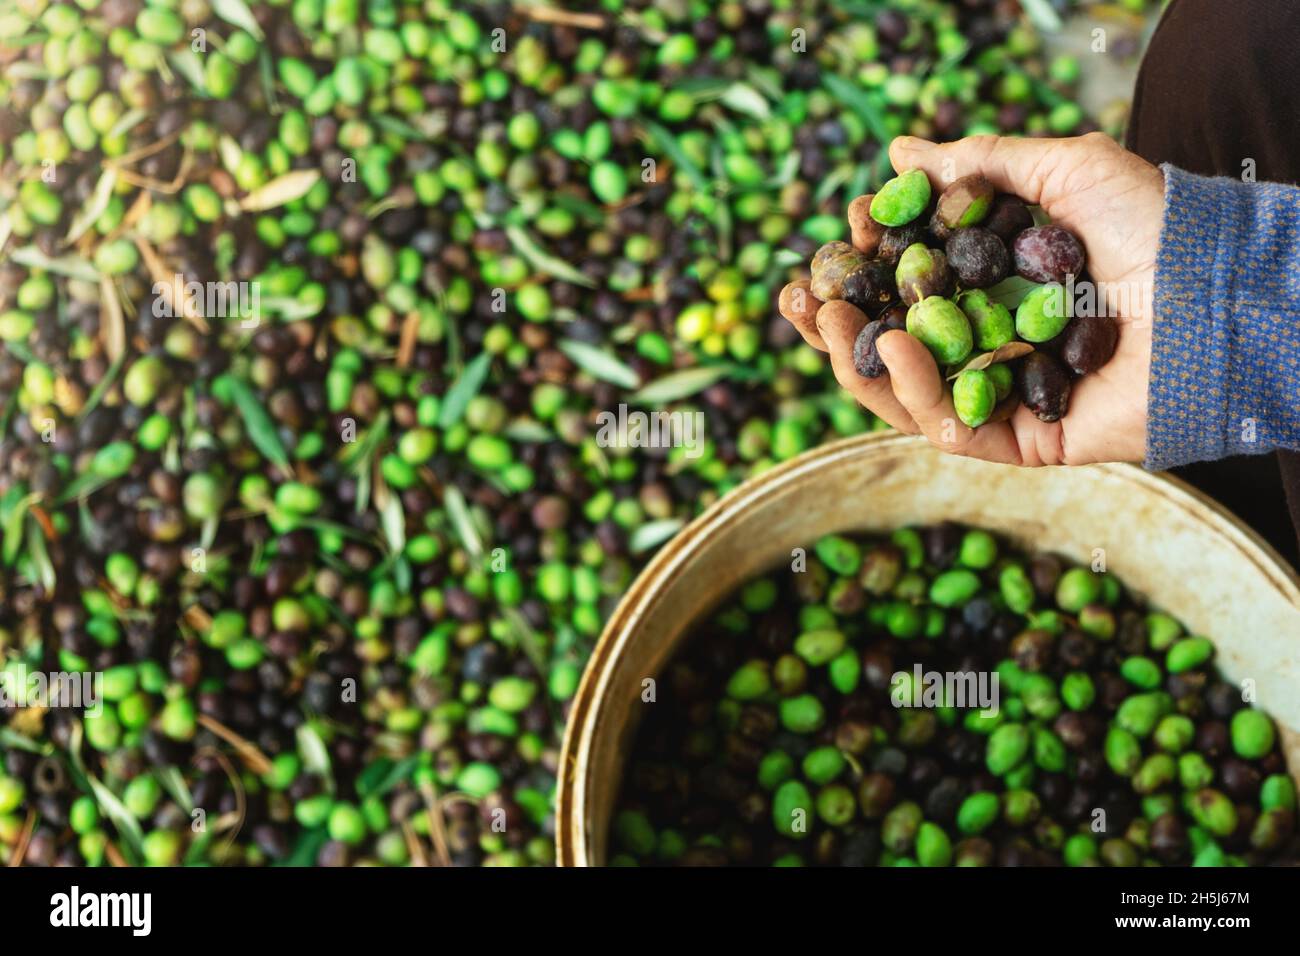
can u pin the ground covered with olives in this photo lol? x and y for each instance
(949, 270)
(340, 555)
(803, 724)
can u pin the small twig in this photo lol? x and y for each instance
(437, 825)
(158, 185)
(126, 159)
(24, 838)
(406, 347)
(414, 846)
(254, 758)
(115, 855)
(241, 805)
(172, 284)
(545, 14)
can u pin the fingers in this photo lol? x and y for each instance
(1013, 164)
(839, 324)
(921, 392)
(864, 232)
(799, 306)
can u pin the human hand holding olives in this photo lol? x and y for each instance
(1113, 201)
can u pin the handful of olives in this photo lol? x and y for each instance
(947, 269)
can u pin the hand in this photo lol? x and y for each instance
(1110, 198)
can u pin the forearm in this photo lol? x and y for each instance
(1225, 355)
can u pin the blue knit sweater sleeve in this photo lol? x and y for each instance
(1225, 352)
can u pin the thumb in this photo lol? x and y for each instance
(1012, 164)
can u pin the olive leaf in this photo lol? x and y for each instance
(678, 385)
(667, 143)
(14, 522)
(743, 98)
(702, 88)
(461, 520)
(171, 780)
(1042, 15)
(528, 430)
(1003, 353)
(280, 190)
(94, 208)
(74, 267)
(230, 152)
(113, 808)
(266, 75)
(392, 517)
(237, 13)
(526, 639)
(12, 738)
(384, 774)
(306, 849)
(187, 64)
(261, 429)
(112, 321)
(129, 121)
(543, 261)
(599, 363)
(315, 755)
(653, 533)
(1010, 292)
(39, 554)
(467, 385)
(861, 103)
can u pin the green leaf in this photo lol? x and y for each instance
(703, 88)
(667, 143)
(39, 555)
(1042, 15)
(238, 13)
(281, 190)
(1010, 292)
(171, 780)
(187, 64)
(12, 738)
(462, 521)
(92, 210)
(14, 524)
(858, 100)
(128, 121)
(393, 519)
(543, 261)
(599, 363)
(74, 267)
(678, 385)
(526, 639)
(83, 486)
(528, 430)
(315, 755)
(743, 98)
(305, 850)
(467, 385)
(115, 810)
(258, 424)
(653, 533)
(198, 849)
(385, 774)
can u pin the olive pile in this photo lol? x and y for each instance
(340, 561)
(936, 270)
(792, 730)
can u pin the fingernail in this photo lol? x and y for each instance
(915, 143)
